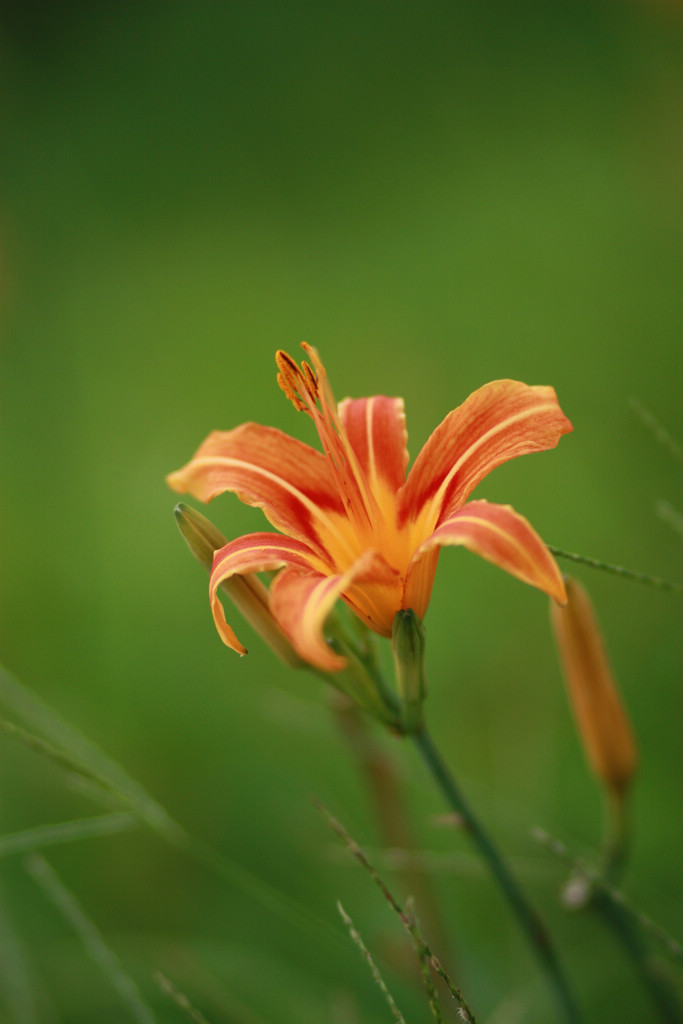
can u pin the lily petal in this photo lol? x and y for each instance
(301, 602)
(502, 536)
(498, 422)
(376, 430)
(255, 552)
(267, 468)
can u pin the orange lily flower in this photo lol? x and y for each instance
(353, 526)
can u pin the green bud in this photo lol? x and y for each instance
(199, 533)
(408, 645)
(247, 592)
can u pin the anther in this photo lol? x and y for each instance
(289, 378)
(311, 381)
(297, 384)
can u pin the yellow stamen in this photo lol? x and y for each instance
(311, 381)
(308, 390)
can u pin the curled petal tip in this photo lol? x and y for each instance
(176, 482)
(560, 596)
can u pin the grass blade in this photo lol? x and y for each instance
(90, 936)
(66, 832)
(70, 744)
(423, 950)
(180, 999)
(659, 431)
(67, 747)
(15, 975)
(374, 969)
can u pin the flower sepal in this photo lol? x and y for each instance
(408, 647)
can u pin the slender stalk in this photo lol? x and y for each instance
(618, 570)
(623, 924)
(616, 841)
(531, 924)
(654, 980)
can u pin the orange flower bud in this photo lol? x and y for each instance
(598, 709)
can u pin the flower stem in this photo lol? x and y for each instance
(531, 925)
(652, 977)
(622, 923)
(616, 841)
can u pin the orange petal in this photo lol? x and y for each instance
(302, 601)
(288, 479)
(376, 430)
(498, 422)
(255, 552)
(502, 536)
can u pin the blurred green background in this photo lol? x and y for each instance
(435, 195)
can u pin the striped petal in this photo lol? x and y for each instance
(301, 602)
(502, 536)
(376, 430)
(255, 552)
(267, 468)
(498, 422)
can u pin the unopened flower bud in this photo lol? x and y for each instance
(247, 593)
(408, 645)
(199, 533)
(600, 715)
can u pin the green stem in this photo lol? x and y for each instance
(531, 925)
(621, 922)
(592, 890)
(616, 842)
(628, 933)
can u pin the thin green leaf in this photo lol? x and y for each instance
(66, 832)
(180, 999)
(671, 516)
(15, 974)
(660, 432)
(64, 760)
(93, 943)
(69, 745)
